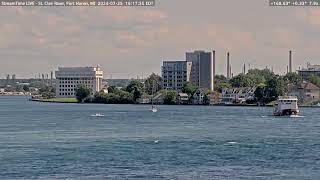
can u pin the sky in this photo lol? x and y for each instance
(133, 41)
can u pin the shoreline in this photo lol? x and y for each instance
(224, 105)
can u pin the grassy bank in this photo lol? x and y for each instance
(57, 100)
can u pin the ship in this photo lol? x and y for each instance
(287, 106)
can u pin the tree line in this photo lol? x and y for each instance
(268, 87)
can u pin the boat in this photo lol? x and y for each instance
(97, 115)
(153, 107)
(287, 106)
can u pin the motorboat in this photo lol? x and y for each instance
(153, 109)
(287, 106)
(97, 115)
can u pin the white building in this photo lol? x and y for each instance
(238, 95)
(175, 74)
(68, 78)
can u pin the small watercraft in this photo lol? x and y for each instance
(153, 109)
(287, 106)
(97, 115)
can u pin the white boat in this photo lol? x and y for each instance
(287, 106)
(97, 115)
(153, 109)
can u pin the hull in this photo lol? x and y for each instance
(286, 112)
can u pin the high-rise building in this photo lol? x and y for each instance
(175, 74)
(8, 79)
(68, 78)
(203, 68)
(13, 79)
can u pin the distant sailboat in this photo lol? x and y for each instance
(153, 107)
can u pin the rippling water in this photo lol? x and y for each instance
(63, 141)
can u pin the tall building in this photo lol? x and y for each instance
(8, 79)
(13, 79)
(175, 74)
(203, 68)
(68, 78)
(305, 73)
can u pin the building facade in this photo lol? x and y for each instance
(175, 74)
(305, 73)
(203, 68)
(237, 95)
(305, 92)
(68, 78)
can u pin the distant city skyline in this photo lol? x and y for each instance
(133, 41)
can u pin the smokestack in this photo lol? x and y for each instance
(244, 68)
(51, 78)
(228, 66)
(213, 71)
(290, 61)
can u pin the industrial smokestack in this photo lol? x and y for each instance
(290, 61)
(228, 66)
(213, 71)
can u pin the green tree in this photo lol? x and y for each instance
(189, 88)
(82, 92)
(112, 89)
(221, 82)
(293, 78)
(134, 85)
(315, 80)
(19, 88)
(26, 88)
(170, 97)
(47, 92)
(241, 80)
(136, 88)
(153, 83)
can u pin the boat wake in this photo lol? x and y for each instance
(296, 116)
(97, 115)
(232, 142)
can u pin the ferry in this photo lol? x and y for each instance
(287, 106)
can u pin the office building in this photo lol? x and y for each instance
(203, 68)
(68, 78)
(175, 74)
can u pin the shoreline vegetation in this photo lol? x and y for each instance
(74, 101)
(268, 87)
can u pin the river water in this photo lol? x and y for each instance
(63, 141)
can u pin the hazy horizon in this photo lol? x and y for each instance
(133, 41)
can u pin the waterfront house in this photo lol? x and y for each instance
(158, 98)
(237, 95)
(214, 98)
(145, 99)
(198, 97)
(183, 98)
(306, 92)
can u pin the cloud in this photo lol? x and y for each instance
(141, 37)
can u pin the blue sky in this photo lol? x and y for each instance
(132, 41)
